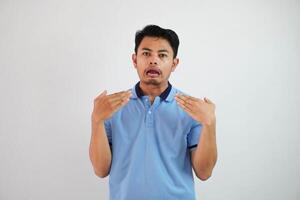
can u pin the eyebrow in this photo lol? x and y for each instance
(161, 50)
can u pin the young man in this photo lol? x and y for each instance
(149, 138)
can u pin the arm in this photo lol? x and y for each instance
(99, 151)
(203, 111)
(104, 107)
(204, 157)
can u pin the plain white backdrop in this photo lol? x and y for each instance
(57, 56)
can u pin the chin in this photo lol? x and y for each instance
(152, 82)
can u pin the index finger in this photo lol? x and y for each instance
(102, 94)
(119, 94)
(186, 97)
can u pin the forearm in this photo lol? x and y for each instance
(206, 152)
(99, 151)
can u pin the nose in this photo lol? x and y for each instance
(153, 63)
(153, 60)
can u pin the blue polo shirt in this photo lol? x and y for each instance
(151, 147)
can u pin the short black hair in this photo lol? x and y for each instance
(156, 31)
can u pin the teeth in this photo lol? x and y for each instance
(152, 72)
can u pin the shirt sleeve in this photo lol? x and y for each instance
(107, 125)
(194, 135)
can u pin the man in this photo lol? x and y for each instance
(149, 138)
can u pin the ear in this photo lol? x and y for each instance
(175, 63)
(133, 57)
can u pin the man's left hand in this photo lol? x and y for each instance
(200, 110)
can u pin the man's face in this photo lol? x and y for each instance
(154, 61)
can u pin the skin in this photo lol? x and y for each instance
(204, 157)
(155, 53)
(99, 151)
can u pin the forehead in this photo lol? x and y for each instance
(155, 44)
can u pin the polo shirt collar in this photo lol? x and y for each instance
(166, 95)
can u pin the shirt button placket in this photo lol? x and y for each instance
(149, 115)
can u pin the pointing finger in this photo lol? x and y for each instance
(102, 94)
(119, 95)
(123, 97)
(188, 99)
(183, 101)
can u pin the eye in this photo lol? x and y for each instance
(145, 53)
(163, 55)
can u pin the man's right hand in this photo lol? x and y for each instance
(106, 105)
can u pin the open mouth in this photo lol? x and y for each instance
(153, 72)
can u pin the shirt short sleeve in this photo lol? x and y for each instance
(194, 135)
(107, 125)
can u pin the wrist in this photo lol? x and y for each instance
(96, 119)
(210, 121)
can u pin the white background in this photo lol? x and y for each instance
(57, 56)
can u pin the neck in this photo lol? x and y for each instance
(153, 90)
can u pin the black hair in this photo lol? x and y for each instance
(156, 31)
